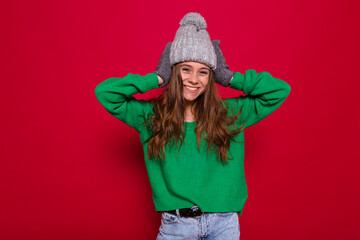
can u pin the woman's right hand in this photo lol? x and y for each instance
(163, 70)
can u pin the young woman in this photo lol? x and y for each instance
(193, 140)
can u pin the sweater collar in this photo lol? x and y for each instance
(190, 124)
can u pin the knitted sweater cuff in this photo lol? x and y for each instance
(150, 81)
(238, 81)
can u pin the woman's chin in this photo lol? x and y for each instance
(189, 99)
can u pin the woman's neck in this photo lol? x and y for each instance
(189, 116)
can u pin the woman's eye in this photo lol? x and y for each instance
(185, 69)
(204, 72)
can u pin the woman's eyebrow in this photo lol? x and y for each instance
(184, 64)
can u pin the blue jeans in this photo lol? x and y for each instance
(209, 226)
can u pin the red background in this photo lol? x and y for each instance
(69, 170)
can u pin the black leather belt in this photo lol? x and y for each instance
(195, 211)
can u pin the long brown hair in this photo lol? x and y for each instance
(211, 114)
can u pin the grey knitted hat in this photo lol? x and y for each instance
(192, 42)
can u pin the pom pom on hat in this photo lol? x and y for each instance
(194, 19)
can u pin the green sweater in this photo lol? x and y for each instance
(192, 177)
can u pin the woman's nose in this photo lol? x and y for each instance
(194, 78)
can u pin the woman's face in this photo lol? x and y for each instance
(195, 77)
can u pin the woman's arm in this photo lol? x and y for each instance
(161, 81)
(115, 94)
(264, 94)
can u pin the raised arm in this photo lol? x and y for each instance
(115, 94)
(264, 94)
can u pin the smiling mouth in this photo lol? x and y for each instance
(191, 89)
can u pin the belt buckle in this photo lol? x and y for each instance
(197, 209)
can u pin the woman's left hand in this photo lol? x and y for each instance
(222, 74)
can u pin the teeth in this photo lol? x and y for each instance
(191, 88)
